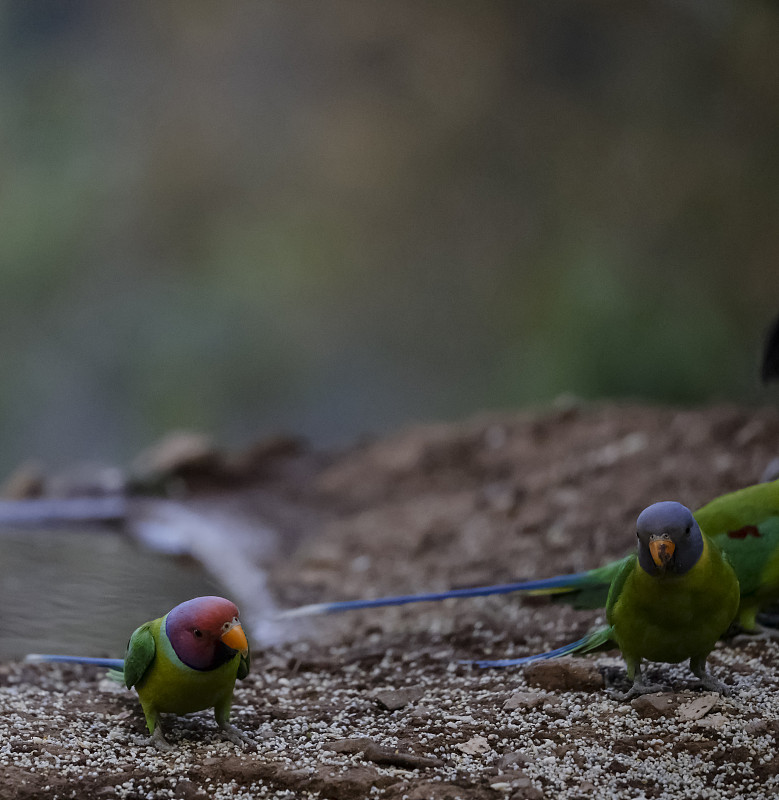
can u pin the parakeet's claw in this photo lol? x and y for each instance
(639, 687)
(235, 735)
(713, 685)
(159, 741)
(698, 668)
(707, 680)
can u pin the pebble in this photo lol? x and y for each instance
(357, 745)
(394, 699)
(699, 707)
(476, 745)
(565, 674)
(655, 705)
(395, 758)
(528, 700)
(512, 759)
(713, 722)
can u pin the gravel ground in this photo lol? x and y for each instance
(389, 721)
(375, 704)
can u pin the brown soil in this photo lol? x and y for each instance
(374, 703)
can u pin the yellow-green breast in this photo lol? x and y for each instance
(173, 687)
(671, 618)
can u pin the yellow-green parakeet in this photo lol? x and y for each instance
(744, 525)
(670, 601)
(186, 661)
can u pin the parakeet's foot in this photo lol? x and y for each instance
(639, 686)
(159, 741)
(698, 667)
(637, 689)
(235, 735)
(713, 685)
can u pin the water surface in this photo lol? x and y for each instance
(83, 591)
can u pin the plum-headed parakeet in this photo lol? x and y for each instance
(186, 661)
(668, 602)
(744, 524)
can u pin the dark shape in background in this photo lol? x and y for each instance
(770, 367)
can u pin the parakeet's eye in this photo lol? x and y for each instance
(198, 633)
(687, 530)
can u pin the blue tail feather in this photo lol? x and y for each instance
(108, 663)
(547, 585)
(565, 650)
(600, 639)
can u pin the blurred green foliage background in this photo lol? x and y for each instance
(333, 218)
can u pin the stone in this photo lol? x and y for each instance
(529, 700)
(508, 760)
(386, 756)
(565, 675)
(355, 783)
(393, 699)
(528, 792)
(439, 790)
(698, 708)
(713, 721)
(476, 745)
(355, 745)
(757, 727)
(659, 704)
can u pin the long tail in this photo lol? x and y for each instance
(597, 640)
(108, 663)
(582, 589)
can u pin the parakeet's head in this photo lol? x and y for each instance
(669, 539)
(205, 632)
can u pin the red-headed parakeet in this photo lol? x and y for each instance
(186, 661)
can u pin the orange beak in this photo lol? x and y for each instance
(235, 638)
(662, 550)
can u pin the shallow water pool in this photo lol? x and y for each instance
(83, 592)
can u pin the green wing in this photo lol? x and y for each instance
(140, 653)
(243, 666)
(745, 525)
(589, 589)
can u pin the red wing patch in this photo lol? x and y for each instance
(742, 533)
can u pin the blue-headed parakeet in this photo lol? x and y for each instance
(670, 601)
(744, 524)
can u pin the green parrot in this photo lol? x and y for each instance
(668, 602)
(186, 661)
(744, 524)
